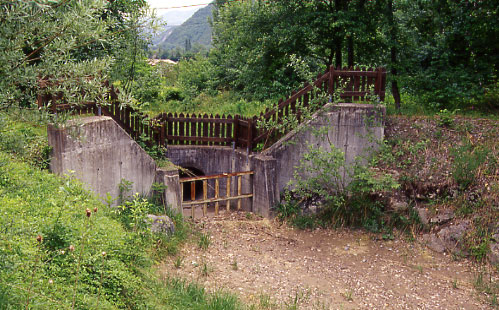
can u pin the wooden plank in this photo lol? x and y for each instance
(193, 196)
(184, 139)
(169, 128)
(211, 131)
(212, 200)
(228, 193)
(239, 191)
(209, 177)
(206, 125)
(217, 129)
(209, 119)
(236, 130)
(181, 132)
(230, 126)
(217, 185)
(188, 131)
(181, 196)
(205, 196)
(356, 84)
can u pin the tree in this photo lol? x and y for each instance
(67, 45)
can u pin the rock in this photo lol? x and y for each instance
(161, 224)
(452, 236)
(434, 243)
(423, 215)
(443, 217)
(493, 255)
(397, 206)
(448, 239)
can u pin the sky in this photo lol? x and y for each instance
(161, 4)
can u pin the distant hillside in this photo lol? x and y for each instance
(196, 29)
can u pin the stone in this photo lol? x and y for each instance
(423, 215)
(397, 206)
(452, 236)
(443, 217)
(493, 255)
(434, 243)
(161, 224)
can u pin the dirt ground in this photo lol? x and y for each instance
(276, 267)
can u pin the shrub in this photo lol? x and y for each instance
(467, 160)
(346, 192)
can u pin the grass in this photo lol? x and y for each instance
(487, 285)
(204, 241)
(61, 247)
(234, 265)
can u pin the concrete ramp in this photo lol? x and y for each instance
(101, 154)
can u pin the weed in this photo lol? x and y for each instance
(265, 302)
(454, 284)
(205, 269)
(234, 265)
(467, 160)
(348, 294)
(485, 283)
(204, 241)
(418, 268)
(179, 260)
(446, 118)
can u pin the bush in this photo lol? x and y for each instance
(467, 160)
(347, 193)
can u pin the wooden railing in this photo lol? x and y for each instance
(352, 85)
(217, 196)
(237, 131)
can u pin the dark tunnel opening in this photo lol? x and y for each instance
(189, 172)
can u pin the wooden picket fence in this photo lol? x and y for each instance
(351, 84)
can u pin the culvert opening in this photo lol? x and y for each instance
(189, 172)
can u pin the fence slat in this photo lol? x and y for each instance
(224, 130)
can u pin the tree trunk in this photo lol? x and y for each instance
(393, 55)
(350, 50)
(338, 60)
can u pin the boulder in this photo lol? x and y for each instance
(423, 215)
(397, 206)
(493, 255)
(161, 224)
(452, 236)
(442, 218)
(434, 243)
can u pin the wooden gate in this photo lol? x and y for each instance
(226, 195)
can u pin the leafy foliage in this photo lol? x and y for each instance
(60, 247)
(347, 193)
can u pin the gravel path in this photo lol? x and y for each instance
(276, 267)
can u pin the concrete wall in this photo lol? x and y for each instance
(353, 128)
(212, 160)
(101, 154)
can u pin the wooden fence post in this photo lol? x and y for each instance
(236, 130)
(249, 144)
(332, 75)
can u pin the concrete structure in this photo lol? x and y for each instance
(353, 128)
(104, 154)
(101, 154)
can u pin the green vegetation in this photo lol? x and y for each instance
(60, 246)
(263, 50)
(322, 177)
